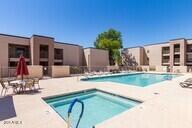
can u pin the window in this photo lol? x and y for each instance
(176, 60)
(165, 50)
(13, 64)
(43, 63)
(58, 54)
(20, 51)
(165, 59)
(189, 48)
(189, 58)
(44, 51)
(16, 50)
(177, 48)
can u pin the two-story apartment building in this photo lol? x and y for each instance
(45, 51)
(176, 52)
(38, 50)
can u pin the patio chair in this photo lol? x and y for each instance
(6, 87)
(188, 80)
(36, 82)
(107, 73)
(98, 73)
(88, 74)
(185, 84)
(29, 84)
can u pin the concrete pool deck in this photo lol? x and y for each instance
(165, 105)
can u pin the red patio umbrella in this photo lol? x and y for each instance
(22, 67)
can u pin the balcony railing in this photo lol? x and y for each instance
(43, 54)
(177, 60)
(165, 60)
(17, 55)
(176, 49)
(16, 50)
(189, 50)
(58, 57)
(165, 51)
(189, 61)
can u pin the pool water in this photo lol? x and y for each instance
(137, 79)
(99, 106)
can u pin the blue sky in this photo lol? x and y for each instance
(80, 21)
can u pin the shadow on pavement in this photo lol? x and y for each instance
(7, 109)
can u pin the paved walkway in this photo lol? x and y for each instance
(165, 105)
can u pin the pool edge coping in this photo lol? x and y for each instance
(93, 89)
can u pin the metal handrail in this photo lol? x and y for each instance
(70, 110)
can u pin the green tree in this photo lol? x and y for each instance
(116, 56)
(110, 40)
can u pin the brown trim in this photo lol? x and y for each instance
(156, 43)
(42, 36)
(132, 47)
(68, 44)
(177, 39)
(95, 48)
(14, 36)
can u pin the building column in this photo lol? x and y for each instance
(171, 56)
(183, 53)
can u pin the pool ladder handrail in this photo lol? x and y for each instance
(70, 110)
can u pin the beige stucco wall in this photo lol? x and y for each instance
(135, 53)
(60, 71)
(96, 57)
(35, 71)
(7, 72)
(178, 69)
(72, 54)
(99, 57)
(161, 68)
(145, 68)
(154, 53)
(189, 41)
(35, 43)
(138, 54)
(112, 68)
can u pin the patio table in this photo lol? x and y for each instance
(20, 83)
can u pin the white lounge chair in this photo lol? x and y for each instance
(186, 83)
(6, 86)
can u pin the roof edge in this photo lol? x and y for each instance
(156, 43)
(42, 36)
(133, 47)
(177, 39)
(14, 36)
(67, 44)
(95, 48)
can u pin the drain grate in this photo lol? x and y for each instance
(156, 93)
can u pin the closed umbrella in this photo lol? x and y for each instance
(22, 67)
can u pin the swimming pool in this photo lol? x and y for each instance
(137, 79)
(99, 106)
